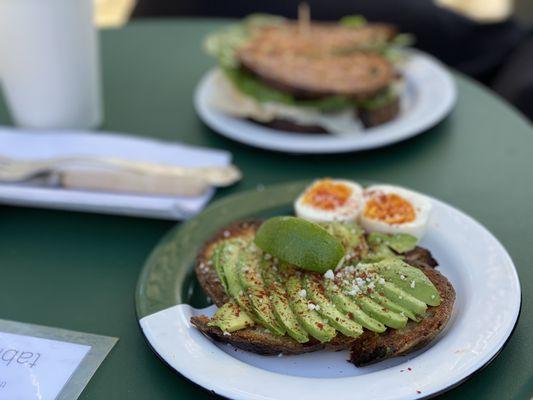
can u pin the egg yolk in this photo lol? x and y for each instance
(390, 208)
(327, 195)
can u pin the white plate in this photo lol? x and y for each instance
(428, 97)
(485, 313)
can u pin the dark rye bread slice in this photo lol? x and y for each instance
(379, 115)
(314, 63)
(256, 339)
(371, 347)
(369, 118)
(367, 348)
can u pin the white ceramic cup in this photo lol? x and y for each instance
(49, 63)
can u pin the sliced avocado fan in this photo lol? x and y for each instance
(375, 294)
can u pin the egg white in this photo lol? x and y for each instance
(347, 212)
(420, 203)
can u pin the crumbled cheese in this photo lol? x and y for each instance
(402, 277)
(381, 281)
(302, 293)
(413, 283)
(329, 274)
(317, 307)
(371, 285)
(355, 290)
(311, 306)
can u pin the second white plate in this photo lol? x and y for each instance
(428, 97)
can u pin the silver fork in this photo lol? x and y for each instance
(14, 170)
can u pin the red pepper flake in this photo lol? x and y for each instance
(409, 369)
(418, 391)
(320, 325)
(369, 291)
(350, 315)
(363, 275)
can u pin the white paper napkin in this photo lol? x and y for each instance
(42, 144)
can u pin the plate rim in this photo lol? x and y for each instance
(494, 352)
(328, 144)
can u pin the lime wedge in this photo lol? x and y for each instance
(300, 242)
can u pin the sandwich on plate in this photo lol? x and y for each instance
(312, 77)
(345, 273)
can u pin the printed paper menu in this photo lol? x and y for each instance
(33, 368)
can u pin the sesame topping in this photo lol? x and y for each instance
(302, 293)
(413, 283)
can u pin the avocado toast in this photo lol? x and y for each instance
(326, 318)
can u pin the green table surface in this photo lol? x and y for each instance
(78, 271)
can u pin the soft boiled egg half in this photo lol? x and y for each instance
(327, 200)
(392, 209)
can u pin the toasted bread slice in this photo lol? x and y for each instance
(371, 347)
(324, 60)
(380, 115)
(367, 348)
(256, 339)
(369, 118)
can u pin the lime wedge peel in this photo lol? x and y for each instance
(299, 242)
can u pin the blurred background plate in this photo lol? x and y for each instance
(428, 97)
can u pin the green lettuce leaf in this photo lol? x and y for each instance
(252, 86)
(223, 43)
